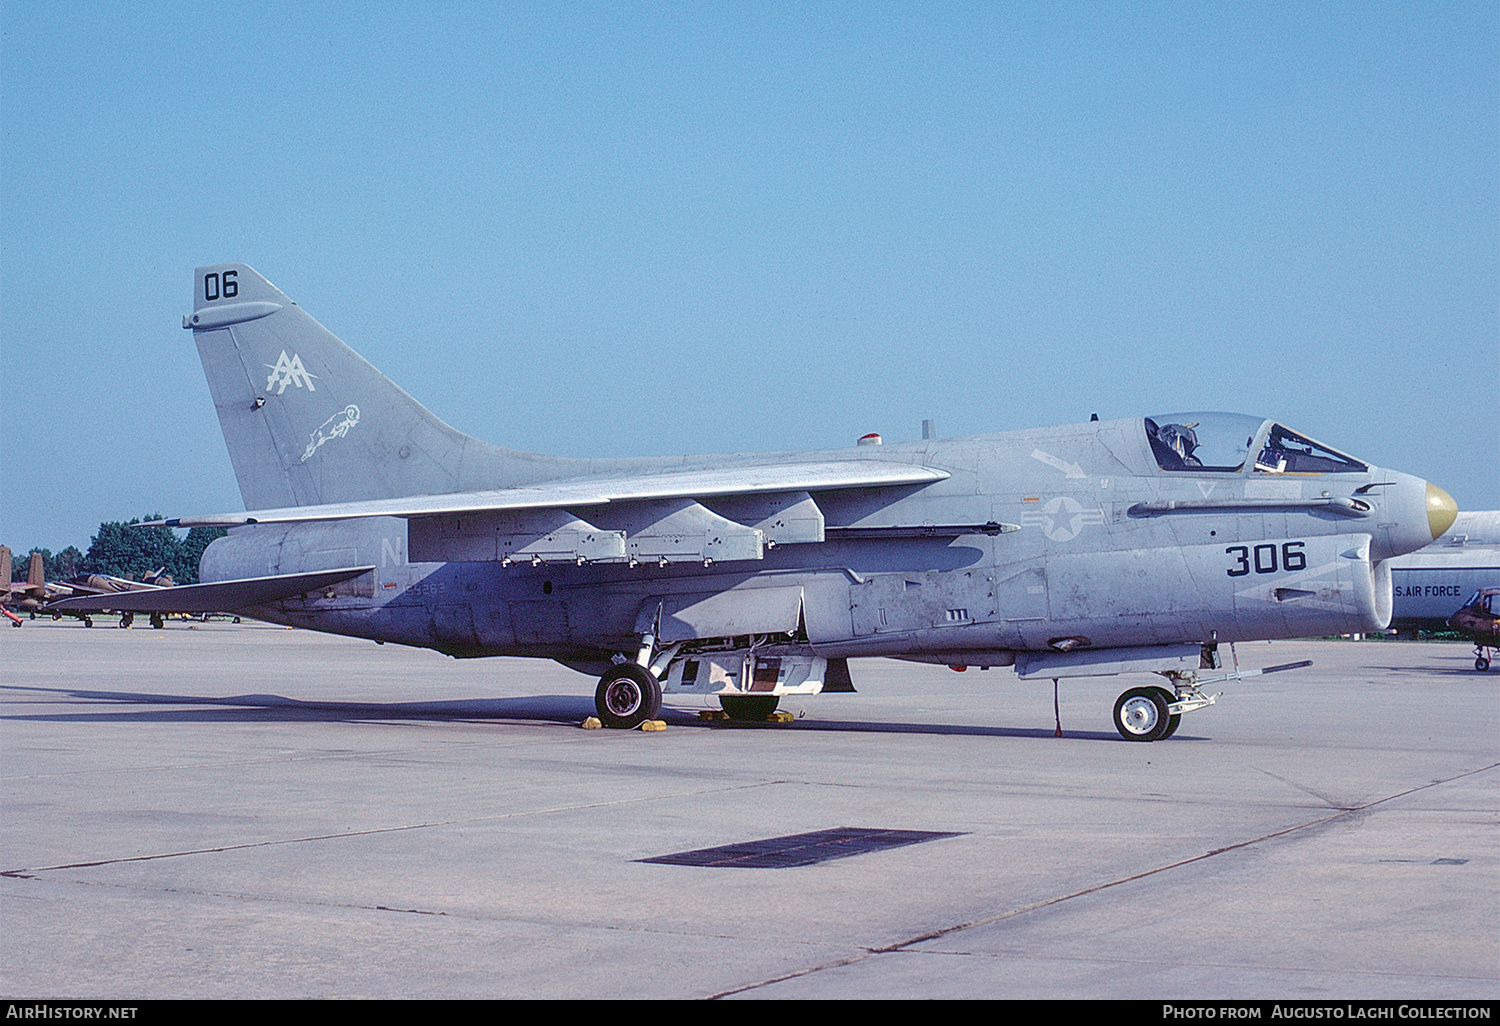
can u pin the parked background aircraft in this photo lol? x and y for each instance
(34, 588)
(1428, 583)
(1136, 545)
(15, 592)
(37, 593)
(1479, 621)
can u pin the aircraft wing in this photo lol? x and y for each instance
(221, 596)
(795, 477)
(85, 589)
(103, 584)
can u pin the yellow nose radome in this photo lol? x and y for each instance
(1441, 510)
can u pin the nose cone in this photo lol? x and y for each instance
(1414, 512)
(1441, 510)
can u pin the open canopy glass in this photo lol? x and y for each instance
(1223, 442)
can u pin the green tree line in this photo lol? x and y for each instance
(123, 550)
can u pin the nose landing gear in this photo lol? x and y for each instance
(1141, 714)
(1154, 713)
(1144, 714)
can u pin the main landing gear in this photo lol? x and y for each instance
(157, 620)
(627, 696)
(1481, 658)
(629, 693)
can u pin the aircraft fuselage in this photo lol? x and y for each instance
(1043, 540)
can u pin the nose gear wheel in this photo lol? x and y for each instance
(1141, 715)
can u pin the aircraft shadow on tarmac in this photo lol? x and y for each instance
(1430, 671)
(560, 709)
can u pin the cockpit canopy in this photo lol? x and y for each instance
(1223, 442)
(1486, 600)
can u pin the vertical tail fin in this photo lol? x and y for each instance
(5, 567)
(307, 420)
(36, 574)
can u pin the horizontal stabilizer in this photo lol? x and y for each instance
(219, 597)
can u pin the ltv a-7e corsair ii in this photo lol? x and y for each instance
(1136, 545)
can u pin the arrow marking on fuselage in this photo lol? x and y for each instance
(1071, 469)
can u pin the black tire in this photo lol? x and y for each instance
(1481, 664)
(749, 707)
(627, 696)
(1141, 714)
(1174, 720)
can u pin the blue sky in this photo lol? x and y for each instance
(600, 229)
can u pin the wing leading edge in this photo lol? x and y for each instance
(797, 477)
(656, 518)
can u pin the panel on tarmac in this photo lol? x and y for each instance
(257, 812)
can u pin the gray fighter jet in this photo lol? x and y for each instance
(1137, 545)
